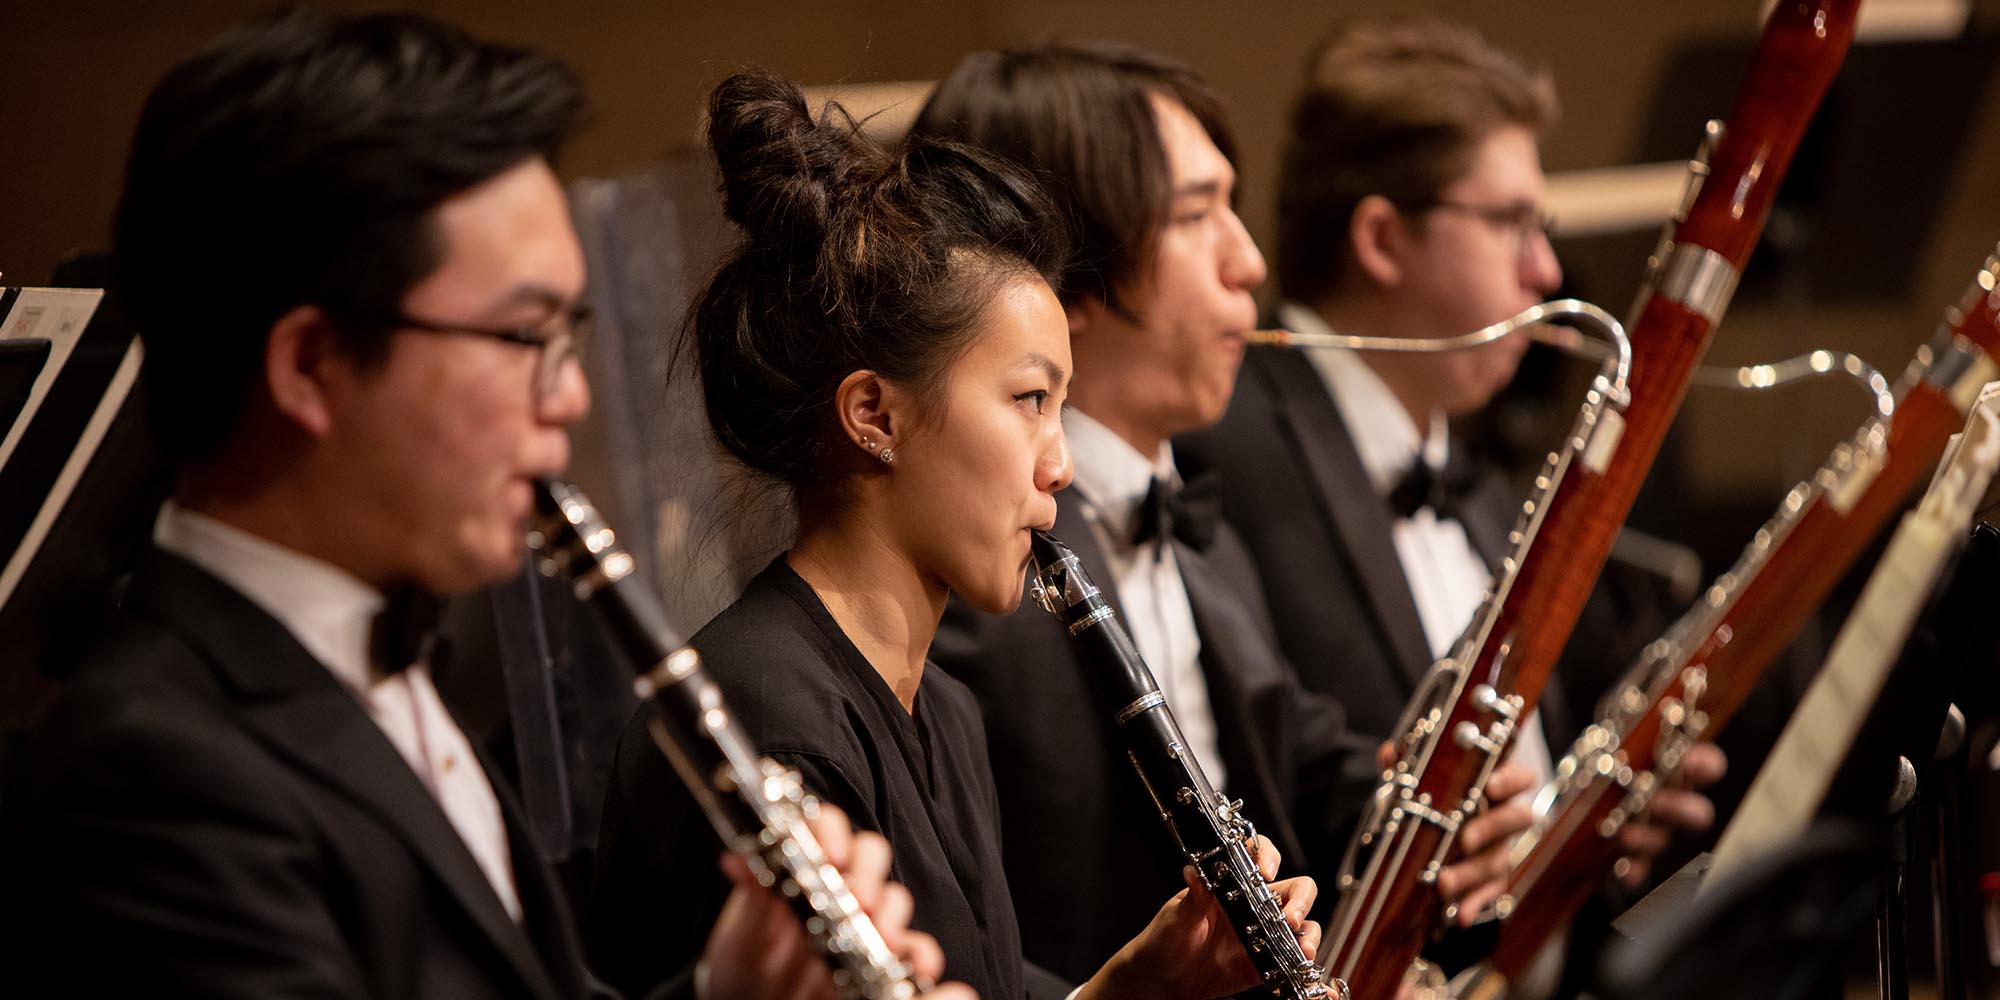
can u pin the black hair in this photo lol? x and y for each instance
(854, 257)
(1080, 114)
(298, 160)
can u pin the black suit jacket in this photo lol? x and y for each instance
(1294, 488)
(208, 812)
(1087, 858)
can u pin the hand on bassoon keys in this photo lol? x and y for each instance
(760, 951)
(1189, 952)
(1479, 874)
(1678, 807)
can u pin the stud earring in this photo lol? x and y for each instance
(887, 456)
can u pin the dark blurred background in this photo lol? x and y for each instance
(1893, 244)
(1892, 204)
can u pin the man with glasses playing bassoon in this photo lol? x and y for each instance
(1410, 204)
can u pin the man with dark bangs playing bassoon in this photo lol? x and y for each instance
(1159, 308)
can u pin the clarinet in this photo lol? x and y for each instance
(1211, 832)
(758, 807)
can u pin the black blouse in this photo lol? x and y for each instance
(808, 699)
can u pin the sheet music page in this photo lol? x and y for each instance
(1788, 791)
(59, 316)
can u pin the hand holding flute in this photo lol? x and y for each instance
(759, 949)
(811, 914)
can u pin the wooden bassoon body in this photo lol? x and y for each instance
(1689, 683)
(1465, 716)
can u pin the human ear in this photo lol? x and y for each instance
(869, 408)
(1378, 239)
(297, 352)
(1080, 314)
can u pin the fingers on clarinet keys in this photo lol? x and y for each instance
(759, 949)
(1264, 853)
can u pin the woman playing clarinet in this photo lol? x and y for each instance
(886, 344)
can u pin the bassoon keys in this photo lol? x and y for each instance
(1469, 710)
(1688, 684)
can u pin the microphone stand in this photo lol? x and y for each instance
(1949, 898)
(1892, 959)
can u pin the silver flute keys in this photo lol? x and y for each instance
(758, 808)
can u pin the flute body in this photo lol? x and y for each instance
(758, 807)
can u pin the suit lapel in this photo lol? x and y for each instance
(1488, 515)
(1221, 625)
(1078, 530)
(1311, 424)
(1237, 675)
(297, 708)
(544, 903)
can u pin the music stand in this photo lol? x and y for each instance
(1857, 207)
(21, 364)
(79, 478)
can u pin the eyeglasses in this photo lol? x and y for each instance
(1522, 220)
(556, 340)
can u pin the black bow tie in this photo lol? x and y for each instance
(1188, 512)
(405, 631)
(1443, 491)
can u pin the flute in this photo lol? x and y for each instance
(1211, 832)
(758, 807)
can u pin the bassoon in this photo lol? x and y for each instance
(1464, 718)
(1213, 836)
(1687, 684)
(758, 807)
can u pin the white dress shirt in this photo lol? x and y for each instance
(1447, 577)
(330, 613)
(1112, 478)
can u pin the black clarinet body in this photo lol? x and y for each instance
(1212, 834)
(758, 807)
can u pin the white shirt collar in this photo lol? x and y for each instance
(1382, 429)
(1111, 475)
(325, 608)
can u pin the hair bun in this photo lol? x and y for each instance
(782, 172)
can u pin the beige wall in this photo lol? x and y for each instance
(73, 73)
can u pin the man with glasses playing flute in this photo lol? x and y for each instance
(356, 281)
